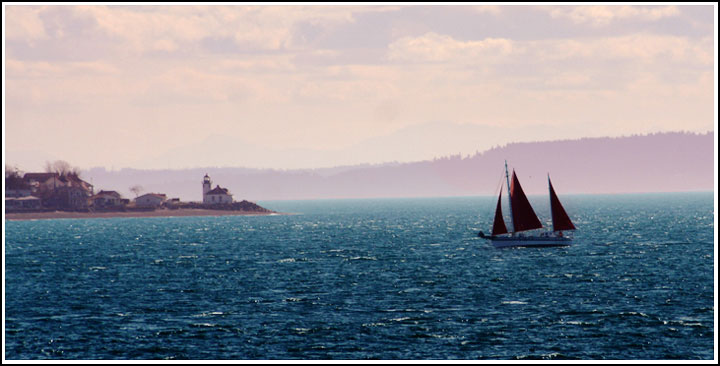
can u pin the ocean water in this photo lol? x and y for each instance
(366, 279)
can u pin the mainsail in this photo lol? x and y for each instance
(523, 215)
(561, 220)
(499, 224)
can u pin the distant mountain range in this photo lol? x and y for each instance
(661, 162)
(408, 144)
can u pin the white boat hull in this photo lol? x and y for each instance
(530, 241)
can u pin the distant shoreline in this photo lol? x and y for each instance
(183, 212)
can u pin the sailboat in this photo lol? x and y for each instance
(523, 218)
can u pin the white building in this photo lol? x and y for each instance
(107, 199)
(215, 195)
(151, 200)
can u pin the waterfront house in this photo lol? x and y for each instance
(24, 203)
(107, 200)
(151, 200)
(66, 191)
(172, 203)
(18, 194)
(35, 180)
(16, 187)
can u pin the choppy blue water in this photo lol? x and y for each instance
(358, 279)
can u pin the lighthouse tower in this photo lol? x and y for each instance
(207, 185)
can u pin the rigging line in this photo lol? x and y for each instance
(498, 187)
(500, 183)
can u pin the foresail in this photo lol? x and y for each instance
(560, 218)
(524, 217)
(499, 224)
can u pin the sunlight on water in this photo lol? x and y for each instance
(359, 279)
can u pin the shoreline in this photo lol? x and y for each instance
(182, 212)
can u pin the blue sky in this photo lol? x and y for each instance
(315, 86)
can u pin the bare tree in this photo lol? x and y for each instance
(61, 167)
(136, 189)
(75, 171)
(11, 171)
(13, 178)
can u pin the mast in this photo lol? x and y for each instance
(507, 178)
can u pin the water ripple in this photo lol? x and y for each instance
(366, 279)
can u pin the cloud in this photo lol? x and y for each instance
(555, 55)
(136, 30)
(638, 48)
(23, 23)
(491, 9)
(604, 15)
(42, 69)
(321, 76)
(433, 47)
(226, 28)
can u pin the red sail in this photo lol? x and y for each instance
(499, 223)
(561, 220)
(524, 217)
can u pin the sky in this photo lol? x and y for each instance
(286, 86)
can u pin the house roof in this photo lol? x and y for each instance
(218, 190)
(26, 198)
(156, 195)
(105, 194)
(69, 180)
(40, 177)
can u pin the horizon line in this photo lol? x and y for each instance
(482, 196)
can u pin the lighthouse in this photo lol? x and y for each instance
(207, 185)
(215, 195)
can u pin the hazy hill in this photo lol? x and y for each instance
(649, 163)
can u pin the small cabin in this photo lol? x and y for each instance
(151, 200)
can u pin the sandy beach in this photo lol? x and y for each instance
(156, 213)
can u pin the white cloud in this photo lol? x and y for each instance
(606, 14)
(153, 69)
(638, 48)
(635, 48)
(433, 47)
(491, 9)
(23, 23)
(134, 30)
(16, 69)
(259, 27)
